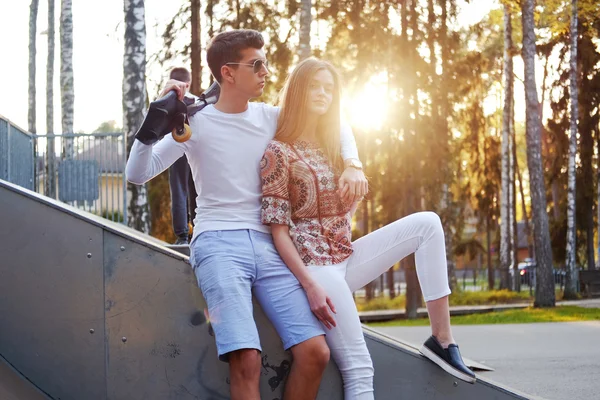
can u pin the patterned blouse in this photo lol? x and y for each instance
(300, 190)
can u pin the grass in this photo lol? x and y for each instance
(522, 316)
(458, 298)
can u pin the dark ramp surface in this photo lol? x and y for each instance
(91, 310)
(13, 386)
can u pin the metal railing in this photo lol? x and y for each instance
(84, 170)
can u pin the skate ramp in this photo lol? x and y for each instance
(90, 309)
(13, 386)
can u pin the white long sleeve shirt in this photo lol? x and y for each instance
(224, 154)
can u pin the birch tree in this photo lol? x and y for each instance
(571, 270)
(134, 99)
(67, 91)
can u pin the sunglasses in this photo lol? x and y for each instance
(257, 65)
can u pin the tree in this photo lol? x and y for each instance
(50, 188)
(571, 271)
(544, 293)
(31, 104)
(196, 44)
(305, 21)
(33, 11)
(67, 91)
(134, 102)
(507, 114)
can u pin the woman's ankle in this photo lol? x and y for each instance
(445, 339)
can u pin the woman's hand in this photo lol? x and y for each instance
(320, 304)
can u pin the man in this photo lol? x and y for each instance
(232, 252)
(183, 192)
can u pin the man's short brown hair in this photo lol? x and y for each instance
(226, 47)
(180, 74)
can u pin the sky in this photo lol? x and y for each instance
(98, 57)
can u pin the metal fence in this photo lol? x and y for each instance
(84, 170)
(16, 155)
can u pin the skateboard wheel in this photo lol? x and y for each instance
(185, 134)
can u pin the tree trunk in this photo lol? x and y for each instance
(570, 259)
(31, 120)
(31, 115)
(516, 283)
(50, 189)
(505, 193)
(490, 266)
(412, 285)
(524, 208)
(196, 84)
(305, 21)
(544, 293)
(210, 14)
(67, 91)
(373, 284)
(555, 200)
(134, 98)
(598, 204)
(444, 131)
(390, 282)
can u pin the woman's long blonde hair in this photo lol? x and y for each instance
(293, 101)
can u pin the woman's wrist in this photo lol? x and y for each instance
(307, 284)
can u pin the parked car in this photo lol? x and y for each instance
(526, 271)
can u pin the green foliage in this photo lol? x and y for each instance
(469, 298)
(108, 127)
(522, 316)
(457, 298)
(116, 215)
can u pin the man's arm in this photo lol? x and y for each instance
(353, 184)
(347, 143)
(146, 161)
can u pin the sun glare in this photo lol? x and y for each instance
(366, 109)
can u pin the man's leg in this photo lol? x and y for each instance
(285, 304)
(309, 363)
(178, 182)
(225, 269)
(192, 194)
(244, 374)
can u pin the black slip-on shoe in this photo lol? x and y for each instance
(448, 359)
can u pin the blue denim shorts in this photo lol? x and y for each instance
(230, 266)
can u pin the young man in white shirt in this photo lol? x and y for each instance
(232, 252)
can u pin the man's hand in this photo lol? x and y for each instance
(353, 185)
(178, 86)
(320, 304)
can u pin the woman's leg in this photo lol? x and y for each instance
(419, 233)
(346, 341)
(422, 234)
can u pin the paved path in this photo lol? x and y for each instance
(556, 361)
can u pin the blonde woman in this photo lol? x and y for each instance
(311, 228)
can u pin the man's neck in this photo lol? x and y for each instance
(231, 102)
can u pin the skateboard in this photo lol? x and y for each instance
(171, 115)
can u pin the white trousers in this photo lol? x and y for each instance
(375, 253)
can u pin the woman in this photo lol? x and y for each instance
(311, 228)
